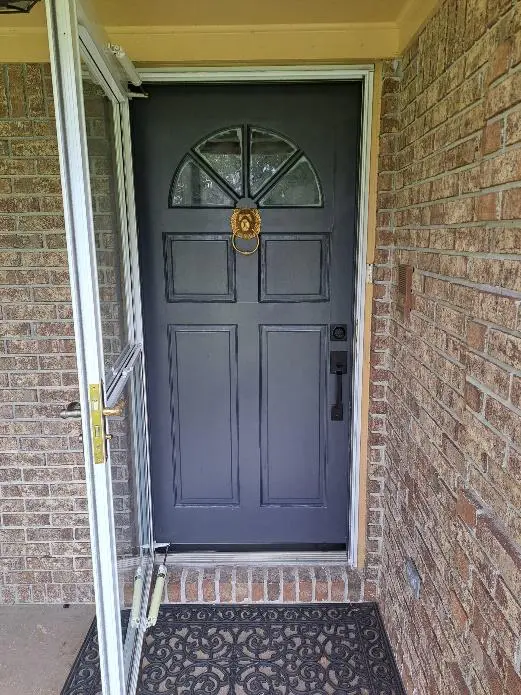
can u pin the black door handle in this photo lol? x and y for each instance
(338, 367)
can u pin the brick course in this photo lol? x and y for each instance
(449, 205)
(44, 543)
(257, 584)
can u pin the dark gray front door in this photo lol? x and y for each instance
(245, 450)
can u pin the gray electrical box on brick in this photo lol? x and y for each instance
(413, 577)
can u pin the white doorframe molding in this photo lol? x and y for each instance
(275, 73)
(326, 73)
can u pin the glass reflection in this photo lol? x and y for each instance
(194, 188)
(268, 152)
(107, 221)
(298, 187)
(223, 152)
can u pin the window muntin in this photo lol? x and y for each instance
(245, 162)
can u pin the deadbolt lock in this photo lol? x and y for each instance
(338, 332)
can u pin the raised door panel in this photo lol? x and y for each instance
(199, 268)
(294, 268)
(203, 377)
(293, 415)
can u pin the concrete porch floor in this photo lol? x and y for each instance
(38, 645)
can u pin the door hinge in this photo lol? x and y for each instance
(96, 423)
(369, 273)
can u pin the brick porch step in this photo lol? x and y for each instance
(254, 584)
(258, 584)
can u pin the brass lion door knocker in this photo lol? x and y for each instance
(246, 225)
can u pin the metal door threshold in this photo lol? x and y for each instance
(256, 558)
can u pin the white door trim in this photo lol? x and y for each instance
(276, 73)
(328, 73)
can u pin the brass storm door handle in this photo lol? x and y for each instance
(116, 411)
(73, 410)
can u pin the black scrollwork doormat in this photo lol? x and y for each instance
(327, 649)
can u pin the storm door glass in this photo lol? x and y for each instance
(107, 218)
(126, 447)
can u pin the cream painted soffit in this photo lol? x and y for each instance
(24, 39)
(412, 18)
(261, 43)
(224, 44)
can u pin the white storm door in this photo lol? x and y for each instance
(92, 116)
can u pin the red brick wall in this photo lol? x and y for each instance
(44, 539)
(447, 395)
(44, 535)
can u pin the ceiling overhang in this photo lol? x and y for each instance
(245, 44)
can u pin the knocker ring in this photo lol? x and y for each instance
(246, 224)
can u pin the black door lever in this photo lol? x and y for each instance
(338, 367)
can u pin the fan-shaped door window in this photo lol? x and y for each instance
(245, 162)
